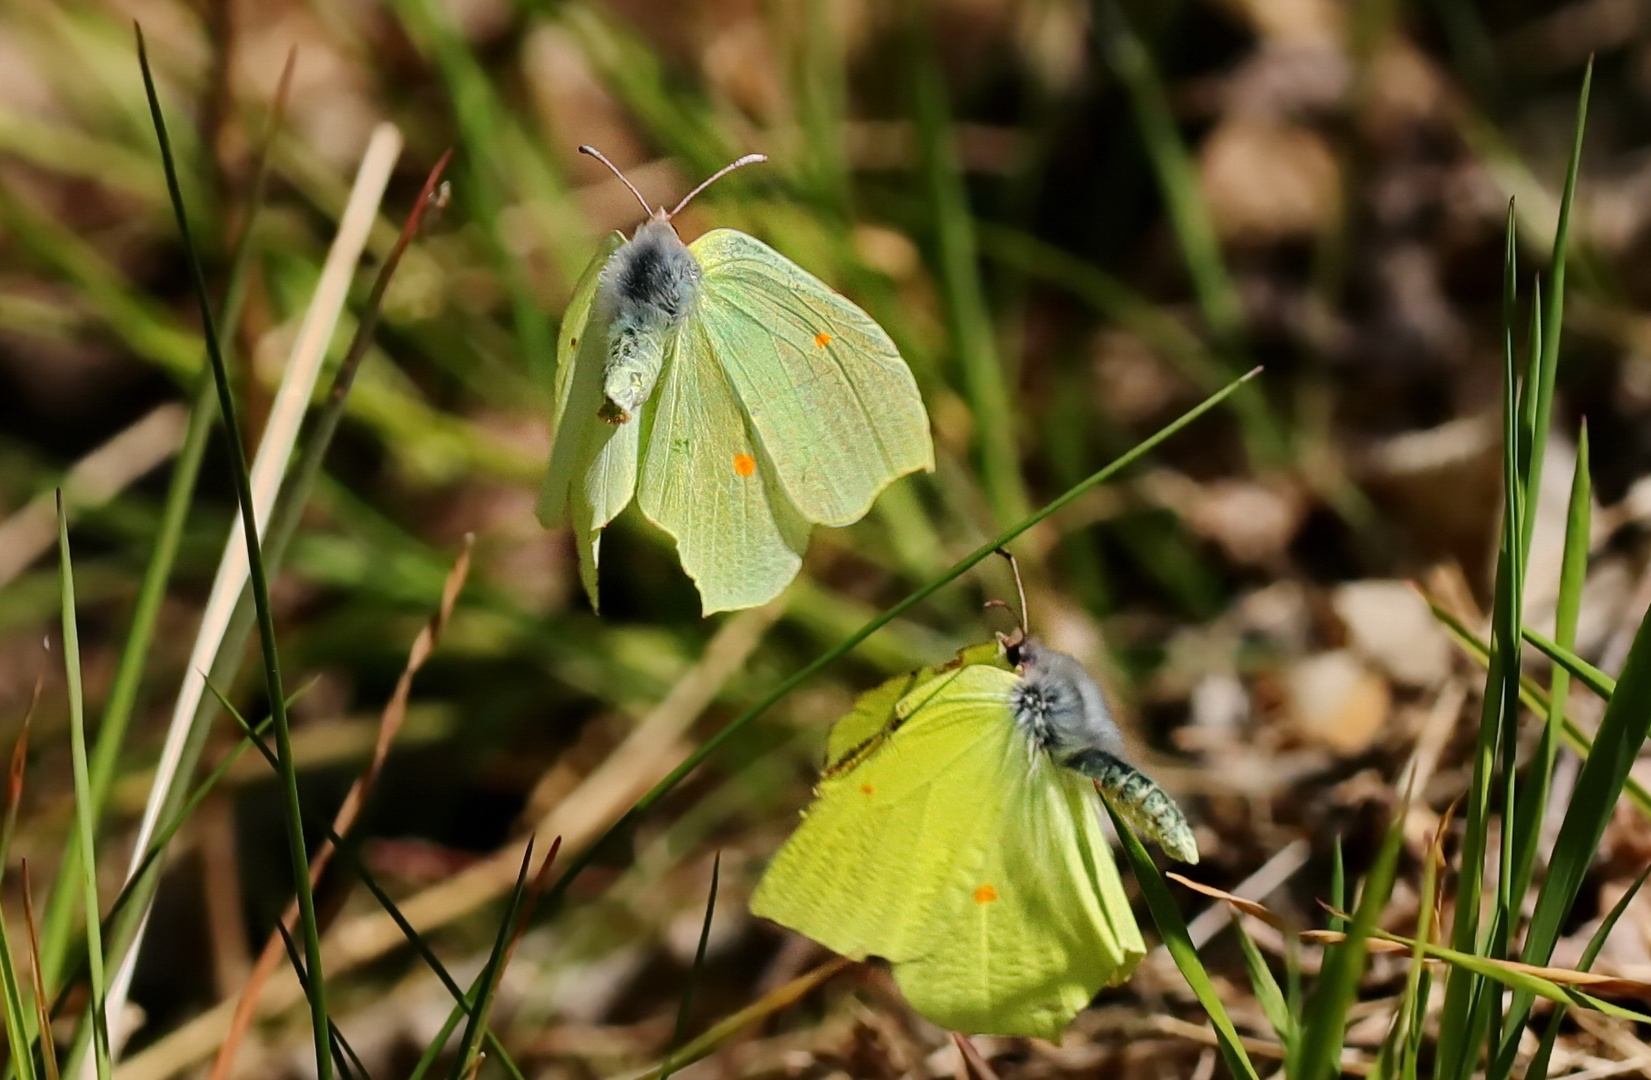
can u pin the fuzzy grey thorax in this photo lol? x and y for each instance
(650, 285)
(1057, 705)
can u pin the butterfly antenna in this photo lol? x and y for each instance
(748, 159)
(1020, 590)
(599, 156)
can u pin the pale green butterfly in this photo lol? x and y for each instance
(754, 400)
(956, 834)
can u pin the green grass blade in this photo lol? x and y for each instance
(1267, 991)
(1544, 1051)
(1585, 673)
(1218, 298)
(1319, 1050)
(801, 675)
(1622, 731)
(681, 1027)
(83, 803)
(1173, 929)
(134, 657)
(1465, 1010)
(489, 132)
(470, 1044)
(260, 590)
(1573, 572)
(1536, 699)
(968, 318)
(351, 856)
(17, 1017)
(42, 1017)
(1553, 319)
(344, 1055)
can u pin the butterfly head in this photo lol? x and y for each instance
(1017, 646)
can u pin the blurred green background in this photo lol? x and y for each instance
(1076, 220)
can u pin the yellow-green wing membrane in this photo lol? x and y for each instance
(712, 487)
(862, 729)
(830, 399)
(592, 471)
(974, 865)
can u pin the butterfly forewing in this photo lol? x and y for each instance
(860, 873)
(826, 390)
(592, 472)
(708, 484)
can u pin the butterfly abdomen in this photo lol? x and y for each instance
(1138, 800)
(653, 282)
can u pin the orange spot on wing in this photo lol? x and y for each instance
(822, 339)
(745, 464)
(868, 789)
(985, 894)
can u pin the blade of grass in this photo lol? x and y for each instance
(1573, 573)
(17, 1018)
(1603, 685)
(1622, 731)
(42, 1001)
(1465, 1011)
(1536, 699)
(11, 996)
(134, 657)
(344, 1054)
(1178, 182)
(1267, 992)
(819, 663)
(470, 1043)
(1173, 929)
(1318, 1052)
(775, 1000)
(254, 737)
(1413, 1006)
(260, 592)
(1539, 1061)
(1338, 887)
(395, 711)
(687, 1002)
(83, 805)
(1553, 319)
(968, 318)
(284, 517)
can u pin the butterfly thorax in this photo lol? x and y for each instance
(1057, 706)
(650, 286)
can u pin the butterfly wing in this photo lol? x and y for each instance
(861, 730)
(708, 483)
(825, 389)
(592, 471)
(860, 872)
(975, 866)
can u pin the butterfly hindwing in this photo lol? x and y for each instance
(592, 471)
(824, 387)
(711, 486)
